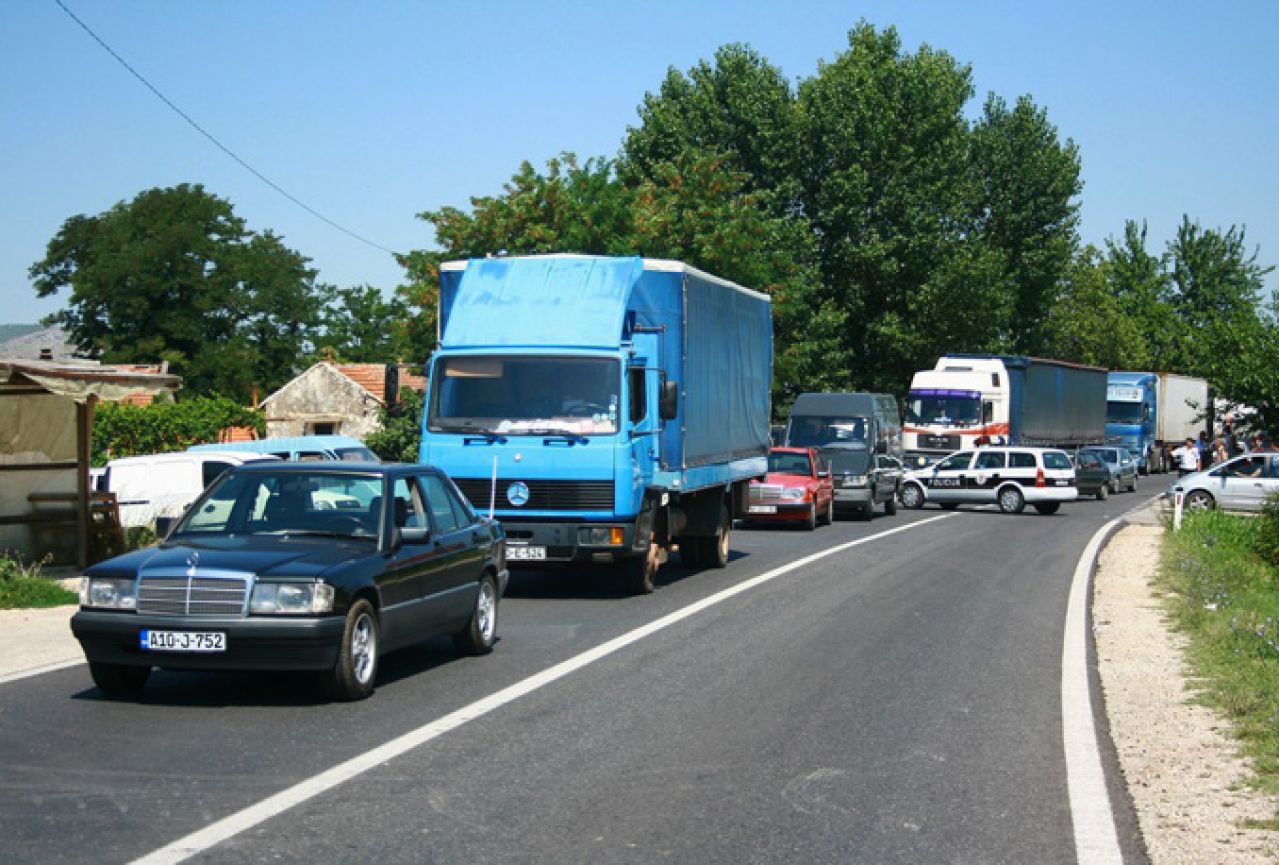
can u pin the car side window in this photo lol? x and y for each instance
(407, 505)
(448, 514)
(1021, 460)
(954, 462)
(991, 460)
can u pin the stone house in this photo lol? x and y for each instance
(334, 398)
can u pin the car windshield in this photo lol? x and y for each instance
(1123, 412)
(789, 463)
(827, 432)
(525, 395)
(293, 503)
(944, 407)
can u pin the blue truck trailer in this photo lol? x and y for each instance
(606, 410)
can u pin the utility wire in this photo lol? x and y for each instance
(198, 128)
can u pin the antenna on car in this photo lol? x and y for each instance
(493, 489)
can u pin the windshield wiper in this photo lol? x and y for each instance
(551, 433)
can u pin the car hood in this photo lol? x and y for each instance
(262, 555)
(846, 461)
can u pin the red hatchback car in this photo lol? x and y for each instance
(798, 489)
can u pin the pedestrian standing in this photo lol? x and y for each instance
(1220, 453)
(1187, 457)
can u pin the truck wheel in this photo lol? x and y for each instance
(1011, 501)
(714, 552)
(912, 497)
(119, 680)
(641, 571)
(480, 633)
(353, 675)
(890, 506)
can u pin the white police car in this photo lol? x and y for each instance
(1010, 477)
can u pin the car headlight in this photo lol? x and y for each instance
(291, 598)
(109, 593)
(794, 493)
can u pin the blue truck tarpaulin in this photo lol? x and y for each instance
(570, 302)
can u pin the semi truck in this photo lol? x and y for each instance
(605, 410)
(1152, 413)
(972, 399)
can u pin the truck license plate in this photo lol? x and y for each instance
(526, 553)
(184, 641)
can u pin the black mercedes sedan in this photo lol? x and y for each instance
(320, 567)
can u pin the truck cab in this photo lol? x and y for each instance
(1130, 415)
(957, 405)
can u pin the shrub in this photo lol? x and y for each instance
(21, 586)
(1267, 542)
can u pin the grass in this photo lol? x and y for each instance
(1225, 598)
(21, 586)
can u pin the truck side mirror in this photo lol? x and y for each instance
(668, 400)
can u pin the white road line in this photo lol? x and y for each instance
(1096, 840)
(39, 671)
(228, 827)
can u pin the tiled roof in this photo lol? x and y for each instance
(372, 377)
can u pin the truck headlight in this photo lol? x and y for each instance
(109, 593)
(601, 536)
(291, 598)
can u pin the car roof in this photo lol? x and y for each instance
(329, 467)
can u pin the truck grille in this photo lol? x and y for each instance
(192, 596)
(542, 495)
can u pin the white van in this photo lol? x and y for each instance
(162, 485)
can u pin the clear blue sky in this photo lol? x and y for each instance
(373, 112)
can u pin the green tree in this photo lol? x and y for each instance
(399, 438)
(887, 186)
(360, 325)
(1028, 185)
(1087, 323)
(175, 275)
(122, 430)
(1140, 283)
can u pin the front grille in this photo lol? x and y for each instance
(192, 596)
(542, 495)
(766, 492)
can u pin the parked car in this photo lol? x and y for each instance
(1092, 475)
(262, 573)
(797, 489)
(1122, 466)
(153, 487)
(1010, 477)
(301, 448)
(1242, 484)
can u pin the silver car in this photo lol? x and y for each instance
(1123, 468)
(1240, 484)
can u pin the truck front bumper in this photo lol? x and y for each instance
(531, 543)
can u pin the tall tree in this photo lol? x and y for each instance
(360, 325)
(885, 179)
(1140, 283)
(175, 275)
(1087, 323)
(1027, 208)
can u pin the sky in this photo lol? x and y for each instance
(371, 113)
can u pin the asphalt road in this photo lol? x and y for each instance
(895, 702)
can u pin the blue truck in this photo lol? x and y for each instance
(1153, 413)
(606, 410)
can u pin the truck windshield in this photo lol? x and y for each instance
(525, 395)
(827, 432)
(947, 408)
(1123, 412)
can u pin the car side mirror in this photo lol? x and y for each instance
(409, 535)
(668, 400)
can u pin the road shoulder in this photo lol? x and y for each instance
(1184, 774)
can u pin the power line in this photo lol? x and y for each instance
(198, 128)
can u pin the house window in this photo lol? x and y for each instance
(326, 428)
